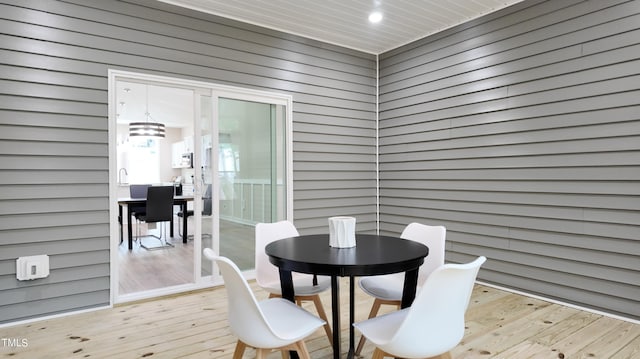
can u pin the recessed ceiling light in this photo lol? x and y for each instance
(375, 17)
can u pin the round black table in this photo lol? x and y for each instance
(372, 255)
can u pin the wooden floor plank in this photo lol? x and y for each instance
(565, 328)
(631, 350)
(515, 331)
(526, 349)
(619, 335)
(585, 337)
(194, 325)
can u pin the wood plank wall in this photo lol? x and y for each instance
(54, 175)
(520, 132)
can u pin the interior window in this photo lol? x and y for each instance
(144, 160)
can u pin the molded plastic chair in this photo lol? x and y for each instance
(274, 323)
(434, 324)
(387, 289)
(159, 209)
(306, 287)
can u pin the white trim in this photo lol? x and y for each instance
(160, 292)
(198, 95)
(377, 144)
(113, 188)
(240, 93)
(53, 316)
(289, 158)
(215, 179)
(555, 301)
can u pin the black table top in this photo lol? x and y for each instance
(372, 255)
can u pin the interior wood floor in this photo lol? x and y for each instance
(499, 325)
(141, 269)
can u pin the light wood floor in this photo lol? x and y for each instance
(142, 270)
(499, 325)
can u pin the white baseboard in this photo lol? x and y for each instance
(54, 316)
(555, 301)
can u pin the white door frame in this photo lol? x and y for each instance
(199, 88)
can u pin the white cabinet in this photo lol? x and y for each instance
(188, 144)
(181, 156)
(177, 149)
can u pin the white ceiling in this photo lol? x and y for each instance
(340, 22)
(168, 105)
(345, 22)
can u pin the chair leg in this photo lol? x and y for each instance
(164, 227)
(446, 355)
(239, 351)
(262, 353)
(139, 237)
(301, 348)
(162, 230)
(374, 311)
(323, 316)
(378, 354)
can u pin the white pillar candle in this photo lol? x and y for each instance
(342, 232)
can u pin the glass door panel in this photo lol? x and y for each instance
(207, 219)
(251, 172)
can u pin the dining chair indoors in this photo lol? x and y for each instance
(387, 289)
(159, 208)
(272, 324)
(306, 287)
(138, 191)
(434, 324)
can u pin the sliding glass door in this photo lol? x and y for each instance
(251, 172)
(237, 144)
(244, 155)
(243, 172)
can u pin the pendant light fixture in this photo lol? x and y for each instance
(147, 128)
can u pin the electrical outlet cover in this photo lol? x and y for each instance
(32, 267)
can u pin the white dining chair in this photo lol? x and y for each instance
(387, 289)
(272, 324)
(434, 324)
(306, 287)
